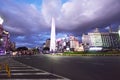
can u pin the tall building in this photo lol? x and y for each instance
(107, 40)
(12, 46)
(95, 39)
(53, 36)
(69, 43)
(47, 43)
(61, 44)
(4, 39)
(74, 43)
(86, 41)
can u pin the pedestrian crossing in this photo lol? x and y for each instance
(21, 71)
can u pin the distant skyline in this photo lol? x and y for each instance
(29, 21)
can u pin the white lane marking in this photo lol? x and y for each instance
(14, 74)
(21, 70)
(19, 67)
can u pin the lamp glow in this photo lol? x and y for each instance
(119, 31)
(1, 20)
(95, 49)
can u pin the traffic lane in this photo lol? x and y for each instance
(58, 69)
(75, 68)
(108, 70)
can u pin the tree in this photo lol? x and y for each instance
(46, 48)
(22, 48)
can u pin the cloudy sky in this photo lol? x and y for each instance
(29, 21)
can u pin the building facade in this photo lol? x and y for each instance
(74, 43)
(4, 40)
(47, 43)
(107, 40)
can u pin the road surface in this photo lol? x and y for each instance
(20, 71)
(77, 67)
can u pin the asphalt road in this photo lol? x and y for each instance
(77, 67)
(14, 70)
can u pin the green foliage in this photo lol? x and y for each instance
(93, 52)
(22, 48)
(74, 52)
(46, 48)
(35, 50)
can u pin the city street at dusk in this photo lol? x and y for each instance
(59, 40)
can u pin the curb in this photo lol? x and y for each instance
(88, 54)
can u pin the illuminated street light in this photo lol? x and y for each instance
(1, 39)
(6, 32)
(1, 20)
(119, 31)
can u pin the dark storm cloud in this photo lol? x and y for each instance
(26, 21)
(20, 18)
(73, 13)
(95, 13)
(77, 16)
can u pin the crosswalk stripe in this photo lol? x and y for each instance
(20, 71)
(27, 74)
(18, 67)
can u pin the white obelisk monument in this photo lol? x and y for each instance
(53, 37)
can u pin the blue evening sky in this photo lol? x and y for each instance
(29, 21)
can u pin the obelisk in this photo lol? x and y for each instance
(53, 37)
